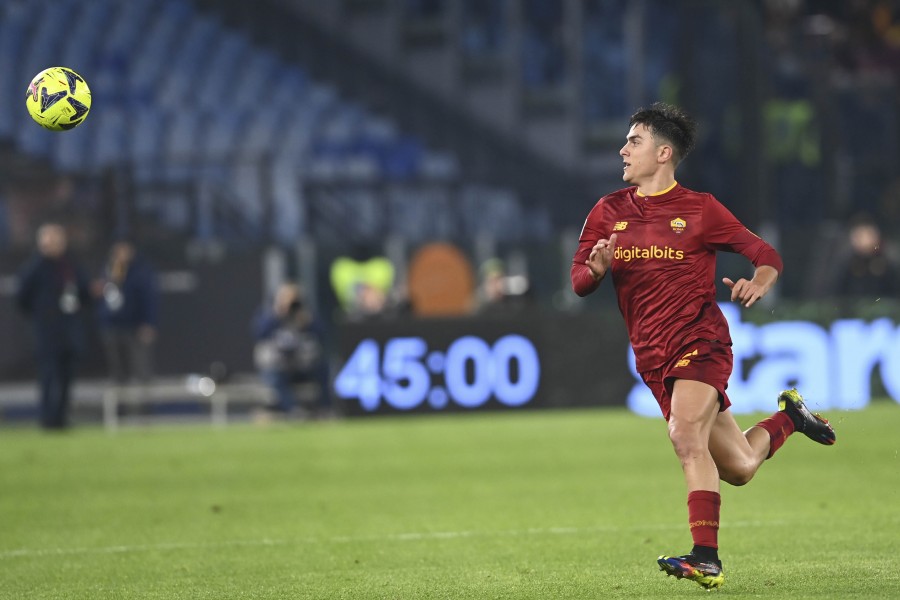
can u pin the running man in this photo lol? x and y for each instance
(659, 241)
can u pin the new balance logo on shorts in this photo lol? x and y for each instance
(685, 361)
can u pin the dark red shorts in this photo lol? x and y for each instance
(705, 361)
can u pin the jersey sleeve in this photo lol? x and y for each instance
(725, 232)
(583, 282)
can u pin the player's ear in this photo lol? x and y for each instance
(664, 153)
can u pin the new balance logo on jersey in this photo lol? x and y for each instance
(636, 252)
(620, 225)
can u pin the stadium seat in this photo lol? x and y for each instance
(43, 47)
(82, 44)
(287, 199)
(178, 90)
(217, 78)
(129, 26)
(72, 152)
(111, 144)
(183, 100)
(17, 19)
(145, 135)
(261, 135)
(422, 213)
(400, 161)
(439, 166)
(494, 211)
(155, 49)
(256, 81)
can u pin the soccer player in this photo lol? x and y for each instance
(659, 241)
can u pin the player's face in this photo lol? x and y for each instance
(640, 155)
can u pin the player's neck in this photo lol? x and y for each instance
(658, 184)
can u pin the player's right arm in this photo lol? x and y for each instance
(594, 256)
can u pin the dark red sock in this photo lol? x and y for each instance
(703, 516)
(779, 427)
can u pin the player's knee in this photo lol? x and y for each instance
(686, 442)
(737, 475)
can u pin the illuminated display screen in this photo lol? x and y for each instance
(404, 372)
(540, 360)
(831, 366)
(430, 365)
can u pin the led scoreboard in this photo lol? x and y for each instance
(554, 360)
(427, 365)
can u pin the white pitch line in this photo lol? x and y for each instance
(388, 537)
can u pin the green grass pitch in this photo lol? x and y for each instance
(544, 505)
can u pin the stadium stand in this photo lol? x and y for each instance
(183, 101)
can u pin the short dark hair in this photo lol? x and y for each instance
(669, 123)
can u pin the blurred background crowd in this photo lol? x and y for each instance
(357, 148)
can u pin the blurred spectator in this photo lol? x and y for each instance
(498, 291)
(128, 313)
(364, 287)
(290, 351)
(53, 290)
(868, 266)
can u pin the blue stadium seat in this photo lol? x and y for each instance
(256, 81)
(360, 168)
(261, 135)
(81, 45)
(439, 166)
(338, 133)
(494, 211)
(483, 30)
(401, 160)
(181, 145)
(303, 110)
(217, 79)
(179, 88)
(376, 134)
(128, 27)
(156, 50)
(421, 214)
(111, 143)
(44, 44)
(73, 150)
(287, 195)
(187, 103)
(34, 140)
(222, 134)
(144, 143)
(14, 25)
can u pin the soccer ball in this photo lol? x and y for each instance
(58, 99)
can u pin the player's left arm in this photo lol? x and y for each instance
(747, 292)
(727, 233)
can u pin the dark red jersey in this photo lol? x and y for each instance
(664, 266)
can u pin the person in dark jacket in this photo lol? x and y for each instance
(290, 350)
(53, 290)
(128, 313)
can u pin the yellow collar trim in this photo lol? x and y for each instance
(665, 191)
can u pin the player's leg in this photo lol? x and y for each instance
(737, 454)
(694, 410)
(695, 407)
